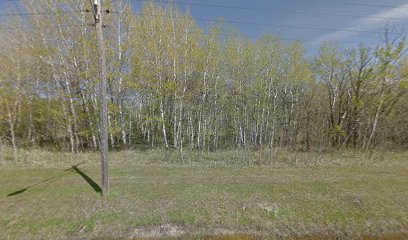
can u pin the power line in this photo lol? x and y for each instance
(237, 22)
(269, 10)
(196, 19)
(261, 35)
(366, 4)
(294, 26)
(262, 9)
(266, 24)
(182, 3)
(342, 15)
(230, 22)
(288, 12)
(222, 34)
(212, 20)
(44, 27)
(40, 13)
(203, 5)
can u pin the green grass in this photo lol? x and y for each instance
(153, 194)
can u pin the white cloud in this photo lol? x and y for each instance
(364, 24)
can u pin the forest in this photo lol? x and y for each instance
(174, 84)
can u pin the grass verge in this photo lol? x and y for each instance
(341, 195)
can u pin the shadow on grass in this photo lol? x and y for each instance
(89, 180)
(17, 192)
(75, 169)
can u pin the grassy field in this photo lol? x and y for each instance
(228, 195)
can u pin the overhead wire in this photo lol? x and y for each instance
(214, 20)
(366, 4)
(43, 27)
(279, 11)
(273, 10)
(218, 34)
(39, 13)
(263, 24)
(264, 9)
(258, 36)
(211, 20)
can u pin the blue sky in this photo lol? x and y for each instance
(306, 19)
(311, 21)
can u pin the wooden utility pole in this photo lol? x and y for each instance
(103, 92)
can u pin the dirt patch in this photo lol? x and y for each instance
(395, 236)
(173, 231)
(163, 231)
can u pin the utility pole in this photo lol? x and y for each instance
(103, 92)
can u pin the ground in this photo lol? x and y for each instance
(230, 195)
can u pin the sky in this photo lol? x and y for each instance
(348, 22)
(311, 21)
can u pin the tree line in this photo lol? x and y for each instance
(174, 84)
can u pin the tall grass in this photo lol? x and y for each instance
(278, 157)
